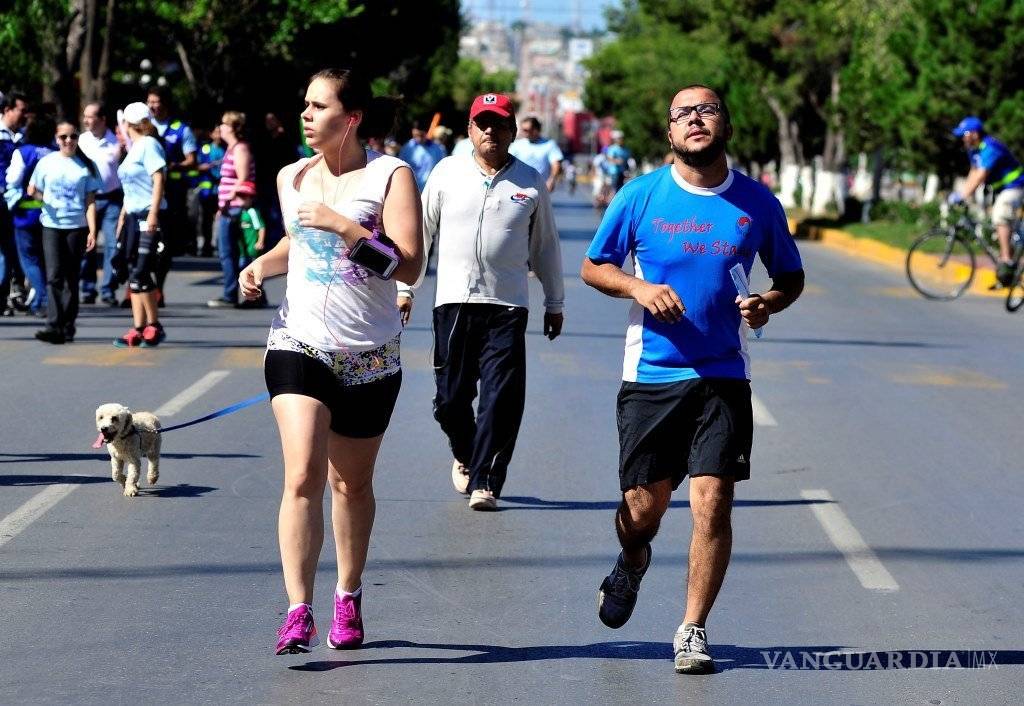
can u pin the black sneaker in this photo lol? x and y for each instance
(89, 298)
(691, 647)
(1004, 273)
(617, 595)
(50, 335)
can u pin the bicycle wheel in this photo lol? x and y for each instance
(1015, 294)
(940, 265)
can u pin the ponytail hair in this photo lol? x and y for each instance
(380, 113)
(146, 128)
(79, 154)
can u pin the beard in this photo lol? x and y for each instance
(702, 157)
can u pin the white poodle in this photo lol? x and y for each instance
(128, 436)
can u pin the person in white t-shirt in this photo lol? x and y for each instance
(539, 152)
(100, 145)
(332, 365)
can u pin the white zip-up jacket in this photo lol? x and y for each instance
(490, 232)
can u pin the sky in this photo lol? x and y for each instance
(559, 12)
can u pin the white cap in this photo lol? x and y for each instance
(135, 113)
(617, 134)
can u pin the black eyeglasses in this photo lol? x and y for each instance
(67, 138)
(704, 110)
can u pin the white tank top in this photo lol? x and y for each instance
(331, 303)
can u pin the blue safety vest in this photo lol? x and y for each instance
(207, 182)
(173, 141)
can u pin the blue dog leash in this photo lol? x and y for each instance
(221, 412)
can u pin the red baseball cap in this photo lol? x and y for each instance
(496, 103)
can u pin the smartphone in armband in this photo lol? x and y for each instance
(377, 254)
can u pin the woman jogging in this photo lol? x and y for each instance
(66, 181)
(332, 365)
(142, 174)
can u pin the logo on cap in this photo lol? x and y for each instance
(490, 99)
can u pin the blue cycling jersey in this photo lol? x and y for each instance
(1004, 170)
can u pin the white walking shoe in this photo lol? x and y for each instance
(460, 477)
(483, 500)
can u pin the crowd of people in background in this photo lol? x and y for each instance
(207, 190)
(149, 171)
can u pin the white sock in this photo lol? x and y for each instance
(355, 594)
(293, 606)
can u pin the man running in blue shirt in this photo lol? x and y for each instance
(992, 163)
(684, 406)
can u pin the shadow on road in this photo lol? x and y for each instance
(597, 561)
(51, 480)
(490, 654)
(856, 342)
(727, 657)
(98, 456)
(532, 503)
(182, 490)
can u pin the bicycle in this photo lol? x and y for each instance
(941, 264)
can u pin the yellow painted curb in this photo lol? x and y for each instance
(881, 253)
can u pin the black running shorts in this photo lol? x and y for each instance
(693, 427)
(358, 411)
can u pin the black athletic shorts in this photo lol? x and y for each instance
(693, 427)
(359, 411)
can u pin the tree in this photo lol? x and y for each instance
(254, 55)
(470, 79)
(937, 61)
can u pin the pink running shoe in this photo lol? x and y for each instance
(347, 626)
(298, 634)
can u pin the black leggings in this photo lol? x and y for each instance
(63, 249)
(141, 250)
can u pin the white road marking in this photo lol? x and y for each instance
(191, 393)
(859, 556)
(12, 525)
(762, 417)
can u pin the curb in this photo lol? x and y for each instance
(881, 253)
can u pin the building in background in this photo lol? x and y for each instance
(549, 62)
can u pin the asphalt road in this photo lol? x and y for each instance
(878, 539)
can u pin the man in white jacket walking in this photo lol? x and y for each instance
(491, 216)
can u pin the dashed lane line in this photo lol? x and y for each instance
(861, 559)
(762, 417)
(12, 525)
(15, 523)
(191, 393)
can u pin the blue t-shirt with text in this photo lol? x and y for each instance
(64, 181)
(689, 237)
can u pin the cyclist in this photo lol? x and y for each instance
(992, 163)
